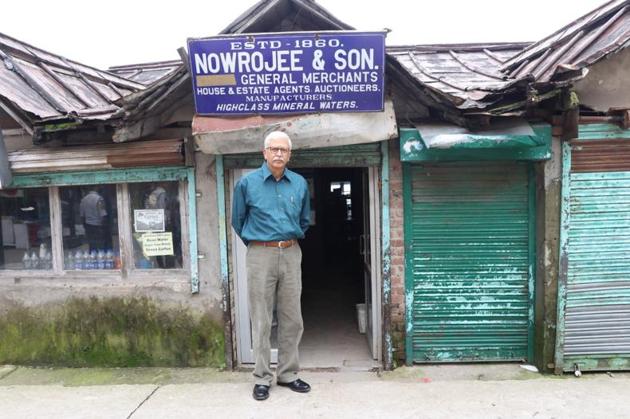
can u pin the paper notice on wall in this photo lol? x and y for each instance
(146, 220)
(157, 244)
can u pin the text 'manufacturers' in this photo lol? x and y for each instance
(288, 73)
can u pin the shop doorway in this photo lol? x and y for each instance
(340, 266)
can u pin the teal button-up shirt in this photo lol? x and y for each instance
(264, 209)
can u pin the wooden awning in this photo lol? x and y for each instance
(222, 135)
(98, 157)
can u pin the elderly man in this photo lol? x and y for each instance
(270, 212)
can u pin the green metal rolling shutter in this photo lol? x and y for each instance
(594, 330)
(468, 262)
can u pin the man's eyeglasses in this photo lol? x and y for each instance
(276, 150)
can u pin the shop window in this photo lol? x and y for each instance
(87, 225)
(156, 225)
(89, 217)
(25, 229)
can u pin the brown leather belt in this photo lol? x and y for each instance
(282, 244)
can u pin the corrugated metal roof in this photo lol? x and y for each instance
(467, 76)
(564, 54)
(45, 86)
(146, 73)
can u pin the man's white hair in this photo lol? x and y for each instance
(278, 135)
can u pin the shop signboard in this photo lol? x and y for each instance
(288, 73)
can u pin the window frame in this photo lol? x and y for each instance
(121, 178)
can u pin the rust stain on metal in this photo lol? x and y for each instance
(146, 153)
(600, 156)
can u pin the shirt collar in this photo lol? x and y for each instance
(266, 172)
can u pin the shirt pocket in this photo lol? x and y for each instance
(292, 206)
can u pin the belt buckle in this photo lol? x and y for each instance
(280, 244)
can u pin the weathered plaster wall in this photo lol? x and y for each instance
(106, 319)
(397, 250)
(607, 83)
(208, 232)
(109, 320)
(210, 275)
(110, 331)
(548, 198)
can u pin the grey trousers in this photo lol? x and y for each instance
(275, 274)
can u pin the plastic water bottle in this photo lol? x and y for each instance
(42, 251)
(69, 261)
(86, 260)
(100, 260)
(34, 261)
(93, 260)
(26, 261)
(109, 259)
(78, 260)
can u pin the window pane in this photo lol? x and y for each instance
(25, 226)
(90, 227)
(157, 238)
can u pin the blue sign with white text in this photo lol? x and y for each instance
(288, 73)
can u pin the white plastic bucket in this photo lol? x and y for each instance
(361, 317)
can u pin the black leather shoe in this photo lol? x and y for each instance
(297, 385)
(261, 392)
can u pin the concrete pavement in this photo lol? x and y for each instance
(452, 391)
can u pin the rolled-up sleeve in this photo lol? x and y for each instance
(305, 215)
(239, 208)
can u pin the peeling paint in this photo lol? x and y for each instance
(593, 293)
(409, 308)
(225, 286)
(386, 258)
(469, 261)
(412, 144)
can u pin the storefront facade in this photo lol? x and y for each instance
(470, 245)
(593, 296)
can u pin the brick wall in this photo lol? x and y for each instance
(397, 251)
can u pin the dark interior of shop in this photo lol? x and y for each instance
(332, 270)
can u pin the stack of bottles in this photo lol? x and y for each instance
(85, 260)
(38, 260)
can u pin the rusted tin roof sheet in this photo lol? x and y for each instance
(44, 86)
(467, 76)
(563, 55)
(151, 104)
(146, 73)
(111, 156)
